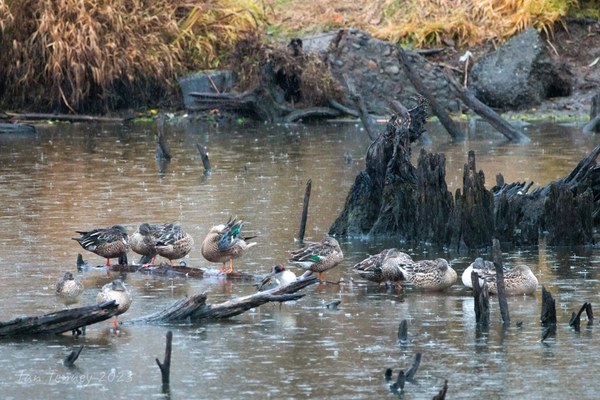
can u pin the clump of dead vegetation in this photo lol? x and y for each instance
(303, 77)
(431, 22)
(95, 55)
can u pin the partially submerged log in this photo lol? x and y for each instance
(17, 128)
(58, 322)
(195, 309)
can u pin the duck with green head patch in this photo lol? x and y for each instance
(225, 242)
(318, 257)
(109, 243)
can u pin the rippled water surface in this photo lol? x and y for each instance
(78, 177)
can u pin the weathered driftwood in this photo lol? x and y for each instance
(501, 125)
(452, 128)
(575, 321)
(503, 304)
(304, 216)
(182, 270)
(195, 309)
(58, 322)
(63, 117)
(594, 124)
(265, 103)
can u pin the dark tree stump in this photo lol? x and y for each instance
(472, 223)
(568, 217)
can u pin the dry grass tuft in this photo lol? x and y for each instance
(95, 55)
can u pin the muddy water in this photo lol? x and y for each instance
(77, 177)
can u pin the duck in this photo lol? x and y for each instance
(225, 242)
(519, 280)
(117, 291)
(174, 243)
(279, 276)
(143, 241)
(434, 275)
(383, 267)
(480, 266)
(68, 289)
(109, 243)
(318, 257)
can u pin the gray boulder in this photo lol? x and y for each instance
(520, 74)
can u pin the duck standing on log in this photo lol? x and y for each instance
(224, 243)
(109, 243)
(143, 242)
(430, 274)
(68, 289)
(519, 280)
(318, 257)
(174, 243)
(383, 267)
(279, 276)
(117, 291)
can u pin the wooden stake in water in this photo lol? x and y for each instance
(300, 237)
(165, 366)
(500, 281)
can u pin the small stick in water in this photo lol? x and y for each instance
(69, 360)
(165, 366)
(300, 237)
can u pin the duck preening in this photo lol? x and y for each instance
(384, 266)
(225, 242)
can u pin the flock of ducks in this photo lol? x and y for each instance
(225, 242)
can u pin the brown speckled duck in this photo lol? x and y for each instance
(318, 257)
(383, 267)
(68, 289)
(519, 280)
(174, 243)
(106, 242)
(224, 243)
(430, 274)
(143, 241)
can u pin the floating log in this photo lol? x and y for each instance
(500, 282)
(195, 309)
(300, 238)
(452, 128)
(501, 125)
(165, 366)
(58, 322)
(62, 117)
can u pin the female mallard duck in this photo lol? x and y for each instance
(174, 243)
(383, 267)
(519, 280)
(106, 242)
(225, 243)
(117, 291)
(68, 289)
(318, 257)
(430, 274)
(279, 276)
